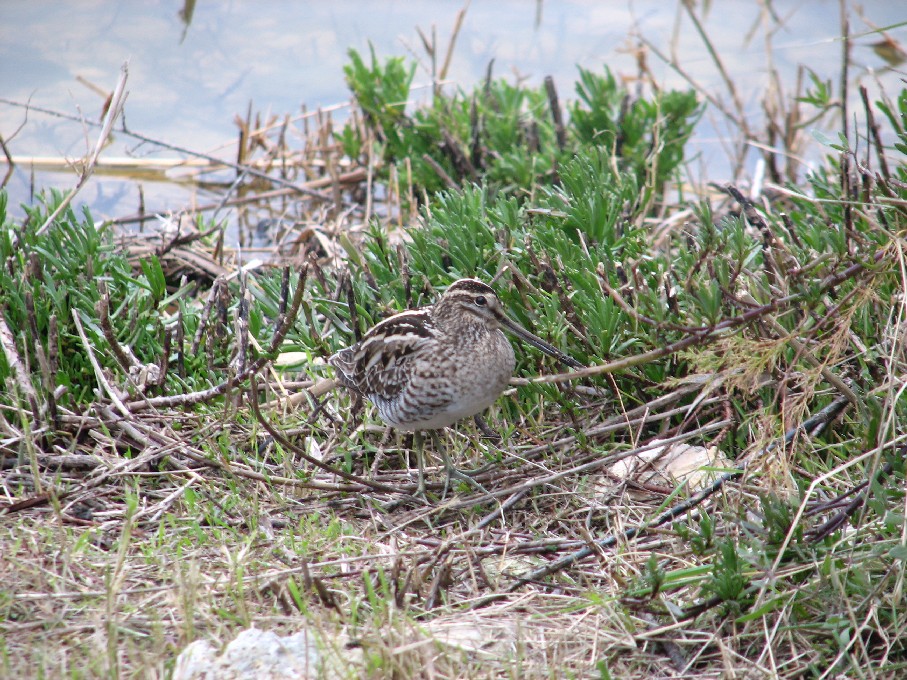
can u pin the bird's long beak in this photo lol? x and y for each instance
(538, 343)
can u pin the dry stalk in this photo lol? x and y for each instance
(822, 417)
(114, 109)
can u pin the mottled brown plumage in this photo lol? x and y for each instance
(427, 368)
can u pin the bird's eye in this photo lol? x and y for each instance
(481, 301)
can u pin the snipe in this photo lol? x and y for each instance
(427, 368)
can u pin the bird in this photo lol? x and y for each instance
(425, 369)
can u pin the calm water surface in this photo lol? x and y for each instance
(191, 75)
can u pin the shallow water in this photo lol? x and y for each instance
(189, 76)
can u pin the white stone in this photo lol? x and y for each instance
(256, 654)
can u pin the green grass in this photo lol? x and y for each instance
(506, 137)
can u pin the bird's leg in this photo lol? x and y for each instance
(452, 472)
(419, 446)
(486, 429)
(489, 434)
(379, 456)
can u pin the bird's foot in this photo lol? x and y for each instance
(452, 472)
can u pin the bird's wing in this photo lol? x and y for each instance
(379, 365)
